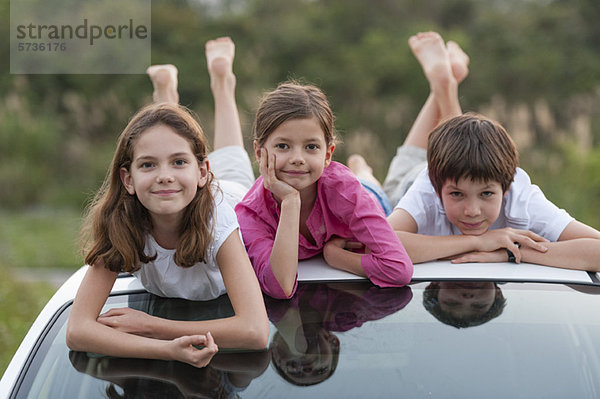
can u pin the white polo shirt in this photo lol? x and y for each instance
(524, 207)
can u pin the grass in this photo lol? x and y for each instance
(43, 239)
(21, 303)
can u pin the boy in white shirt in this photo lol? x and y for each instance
(474, 205)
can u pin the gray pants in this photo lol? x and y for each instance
(408, 162)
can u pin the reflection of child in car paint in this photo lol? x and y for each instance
(225, 376)
(304, 349)
(463, 304)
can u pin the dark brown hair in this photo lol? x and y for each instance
(471, 146)
(292, 100)
(116, 224)
(432, 304)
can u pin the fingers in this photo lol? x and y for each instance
(467, 258)
(115, 321)
(263, 162)
(537, 237)
(481, 257)
(114, 312)
(210, 343)
(111, 317)
(107, 321)
(271, 167)
(527, 239)
(513, 239)
(199, 357)
(267, 168)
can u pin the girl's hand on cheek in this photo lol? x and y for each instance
(280, 189)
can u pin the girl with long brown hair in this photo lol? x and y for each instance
(162, 216)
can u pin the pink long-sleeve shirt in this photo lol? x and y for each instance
(343, 208)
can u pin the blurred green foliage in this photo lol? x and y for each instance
(42, 238)
(57, 132)
(21, 302)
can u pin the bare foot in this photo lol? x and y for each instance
(459, 61)
(219, 60)
(430, 51)
(359, 166)
(164, 80)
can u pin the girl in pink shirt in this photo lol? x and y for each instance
(304, 204)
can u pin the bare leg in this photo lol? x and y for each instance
(229, 161)
(164, 80)
(439, 68)
(427, 119)
(219, 59)
(431, 52)
(431, 113)
(358, 165)
(445, 66)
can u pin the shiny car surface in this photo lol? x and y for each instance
(472, 330)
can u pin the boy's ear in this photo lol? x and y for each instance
(506, 192)
(329, 154)
(127, 180)
(203, 169)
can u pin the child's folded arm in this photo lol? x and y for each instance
(578, 247)
(386, 263)
(259, 252)
(578, 254)
(423, 248)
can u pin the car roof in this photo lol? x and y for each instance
(316, 269)
(311, 270)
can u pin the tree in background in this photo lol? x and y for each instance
(535, 66)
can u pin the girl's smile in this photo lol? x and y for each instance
(166, 192)
(301, 152)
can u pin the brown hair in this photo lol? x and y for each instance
(432, 305)
(473, 146)
(116, 224)
(292, 100)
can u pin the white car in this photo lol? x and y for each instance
(470, 331)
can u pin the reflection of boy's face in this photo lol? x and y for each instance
(310, 364)
(466, 300)
(472, 206)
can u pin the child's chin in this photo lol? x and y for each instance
(474, 232)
